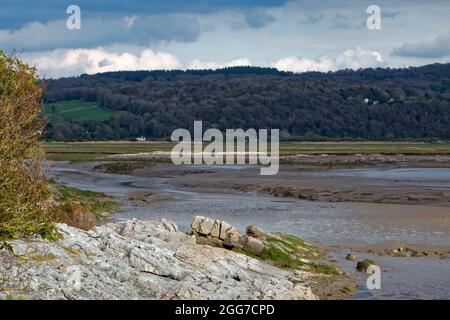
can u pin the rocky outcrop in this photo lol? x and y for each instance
(278, 249)
(143, 260)
(215, 232)
(221, 234)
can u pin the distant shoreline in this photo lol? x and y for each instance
(90, 150)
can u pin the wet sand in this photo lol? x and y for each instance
(322, 185)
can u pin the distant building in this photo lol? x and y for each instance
(141, 139)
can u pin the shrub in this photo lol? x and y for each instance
(81, 209)
(77, 215)
(25, 209)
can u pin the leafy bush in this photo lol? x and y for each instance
(81, 208)
(77, 215)
(25, 201)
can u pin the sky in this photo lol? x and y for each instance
(290, 35)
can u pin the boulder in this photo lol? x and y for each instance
(255, 232)
(252, 245)
(215, 232)
(362, 266)
(232, 238)
(350, 257)
(225, 227)
(196, 221)
(206, 226)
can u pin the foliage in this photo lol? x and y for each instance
(82, 208)
(125, 167)
(77, 215)
(24, 197)
(409, 103)
(98, 202)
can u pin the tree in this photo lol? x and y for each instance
(24, 195)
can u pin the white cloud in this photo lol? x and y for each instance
(73, 62)
(296, 64)
(355, 58)
(199, 64)
(70, 62)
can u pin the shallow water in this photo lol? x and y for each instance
(328, 224)
(323, 222)
(425, 176)
(403, 278)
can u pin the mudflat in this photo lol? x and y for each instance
(388, 184)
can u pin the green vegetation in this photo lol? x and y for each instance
(82, 208)
(402, 104)
(97, 202)
(25, 200)
(324, 268)
(84, 151)
(364, 148)
(124, 167)
(289, 252)
(75, 110)
(348, 290)
(11, 297)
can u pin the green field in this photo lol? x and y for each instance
(75, 110)
(89, 150)
(364, 148)
(80, 151)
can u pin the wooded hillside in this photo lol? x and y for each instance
(411, 103)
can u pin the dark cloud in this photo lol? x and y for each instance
(437, 47)
(352, 20)
(312, 18)
(15, 13)
(347, 21)
(390, 14)
(145, 30)
(258, 18)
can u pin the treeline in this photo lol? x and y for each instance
(381, 104)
